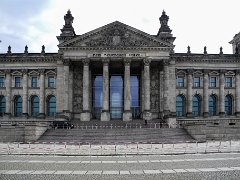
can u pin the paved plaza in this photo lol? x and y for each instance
(191, 166)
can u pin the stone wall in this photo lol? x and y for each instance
(214, 129)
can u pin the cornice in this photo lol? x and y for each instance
(168, 49)
(24, 58)
(231, 58)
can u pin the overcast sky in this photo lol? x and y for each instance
(196, 23)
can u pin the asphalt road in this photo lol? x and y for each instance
(196, 166)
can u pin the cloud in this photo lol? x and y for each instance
(17, 20)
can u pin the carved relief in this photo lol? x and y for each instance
(77, 89)
(117, 35)
(154, 89)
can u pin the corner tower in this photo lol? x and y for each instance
(67, 30)
(236, 43)
(164, 32)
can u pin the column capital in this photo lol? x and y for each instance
(127, 62)
(86, 62)
(24, 71)
(166, 62)
(222, 71)
(105, 61)
(190, 71)
(7, 71)
(66, 62)
(237, 72)
(147, 61)
(41, 71)
(206, 71)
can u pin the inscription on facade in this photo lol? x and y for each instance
(117, 55)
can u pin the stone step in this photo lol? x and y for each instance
(98, 136)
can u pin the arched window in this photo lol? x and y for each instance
(228, 105)
(196, 105)
(51, 106)
(212, 105)
(180, 106)
(34, 106)
(18, 106)
(2, 105)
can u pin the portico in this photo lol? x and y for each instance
(119, 73)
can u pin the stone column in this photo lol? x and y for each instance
(8, 92)
(166, 110)
(237, 93)
(85, 115)
(127, 115)
(25, 93)
(105, 115)
(42, 93)
(221, 94)
(147, 115)
(205, 94)
(189, 92)
(142, 92)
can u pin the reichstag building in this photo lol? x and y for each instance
(117, 72)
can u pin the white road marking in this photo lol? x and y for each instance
(113, 162)
(148, 171)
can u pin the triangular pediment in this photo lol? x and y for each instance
(116, 35)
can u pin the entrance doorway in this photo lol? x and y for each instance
(116, 97)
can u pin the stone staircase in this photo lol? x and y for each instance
(117, 133)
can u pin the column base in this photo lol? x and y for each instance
(221, 114)
(147, 115)
(7, 115)
(172, 122)
(105, 116)
(205, 114)
(41, 116)
(85, 116)
(25, 115)
(189, 115)
(237, 114)
(127, 115)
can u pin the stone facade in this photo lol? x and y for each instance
(65, 85)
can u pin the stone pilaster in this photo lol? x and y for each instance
(166, 110)
(59, 88)
(42, 93)
(85, 115)
(172, 89)
(205, 94)
(105, 115)
(161, 93)
(147, 115)
(221, 94)
(66, 63)
(237, 94)
(189, 92)
(25, 93)
(8, 92)
(127, 115)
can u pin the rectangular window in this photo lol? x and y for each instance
(51, 81)
(228, 81)
(180, 81)
(213, 82)
(2, 82)
(18, 82)
(196, 81)
(34, 82)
